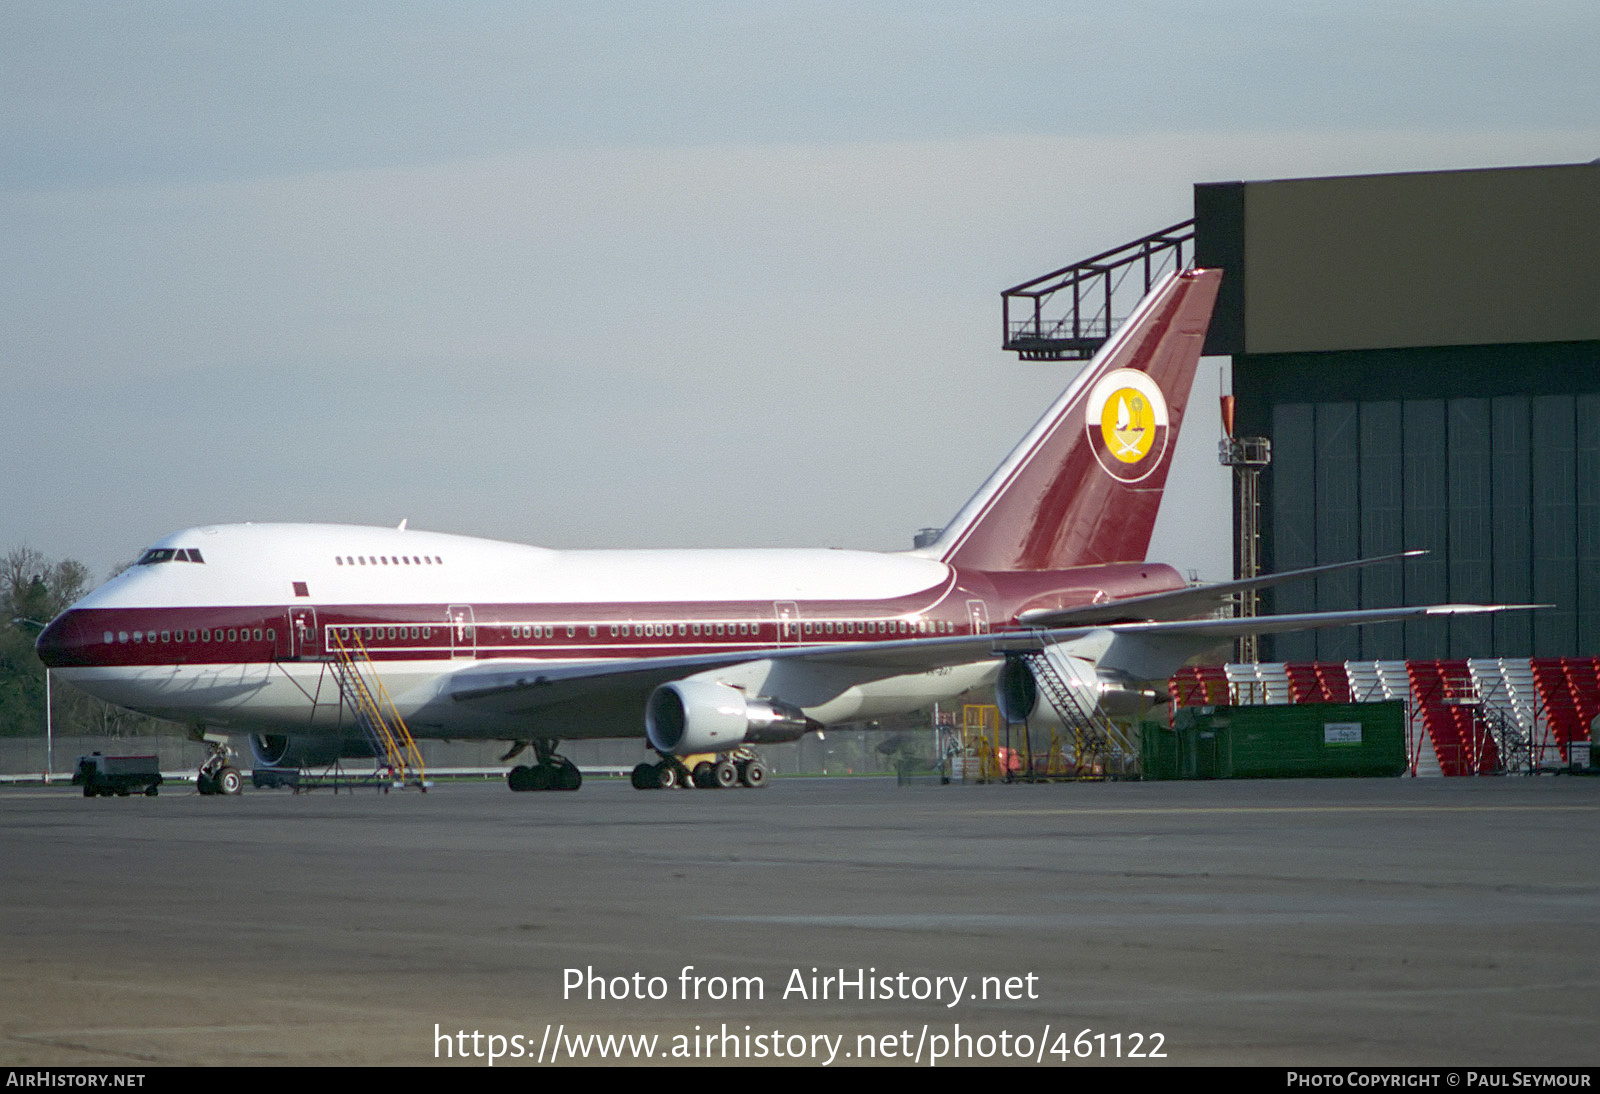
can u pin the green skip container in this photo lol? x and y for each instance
(1298, 741)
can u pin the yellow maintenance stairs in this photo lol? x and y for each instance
(1079, 753)
(374, 711)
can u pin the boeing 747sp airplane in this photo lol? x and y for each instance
(236, 628)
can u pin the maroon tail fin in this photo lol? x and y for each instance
(1083, 487)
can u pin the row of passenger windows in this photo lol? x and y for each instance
(723, 630)
(387, 560)
(882, 626)
(371, 634)
(540, 631)
(232, 634)
(537, 630)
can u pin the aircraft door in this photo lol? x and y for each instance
(463, 630)
(301, 634)
(788, 616)
(978, 615)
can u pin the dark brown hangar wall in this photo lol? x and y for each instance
(1424, 352)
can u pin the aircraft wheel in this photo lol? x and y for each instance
(644, 777)
(568, 777)
(667, 775)
(229, 781)
(726, 774)
(88, 791)
(705, 775)
(151, 792)
(206, 784)
(541, 777)
(517, 777)
(754, 774)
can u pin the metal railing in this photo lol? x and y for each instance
(1094, 286)
(374, 711)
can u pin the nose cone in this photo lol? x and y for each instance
(62, 643)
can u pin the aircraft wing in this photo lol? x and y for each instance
(1187, 603)
(1212, 629)
(518, 687)
(511, 686)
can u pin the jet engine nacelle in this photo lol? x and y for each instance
(690, 716)
(282, 750)
(1021, 698)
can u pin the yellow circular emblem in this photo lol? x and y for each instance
(1128, 425)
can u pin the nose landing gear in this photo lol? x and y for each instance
(217, 775)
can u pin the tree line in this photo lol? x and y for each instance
(35, 590)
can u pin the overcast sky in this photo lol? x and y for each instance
(642, 274)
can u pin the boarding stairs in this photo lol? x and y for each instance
(1259, 684)
(1569, 688)
(1199, 686)
(1448, 701)
(374, 711)
(1509, 704)
(1388, 681)
(1481, 716)
(1100, 747)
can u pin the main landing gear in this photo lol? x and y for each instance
(741, 767)
(217, 775)
(552, 772)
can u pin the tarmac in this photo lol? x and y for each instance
(1449, 922)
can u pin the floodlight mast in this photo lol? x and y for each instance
(49, 729)
(1247, 456)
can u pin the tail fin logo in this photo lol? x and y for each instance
(1126, 423)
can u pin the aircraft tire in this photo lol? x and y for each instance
(206, 784)
(541, 777)
(754, 774)
(667, 775)
(517, 778)
(705, 775)
(568, 777)
(726, 775)
(644, 777)
(230, 782)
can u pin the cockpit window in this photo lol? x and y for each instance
(169, 554)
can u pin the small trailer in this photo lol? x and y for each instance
(102, 776)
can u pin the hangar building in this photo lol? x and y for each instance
(1422, 351)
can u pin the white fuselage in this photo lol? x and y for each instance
(238, 639)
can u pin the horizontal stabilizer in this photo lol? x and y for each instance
(1187, 603)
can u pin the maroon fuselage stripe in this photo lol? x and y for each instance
(411, 632)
